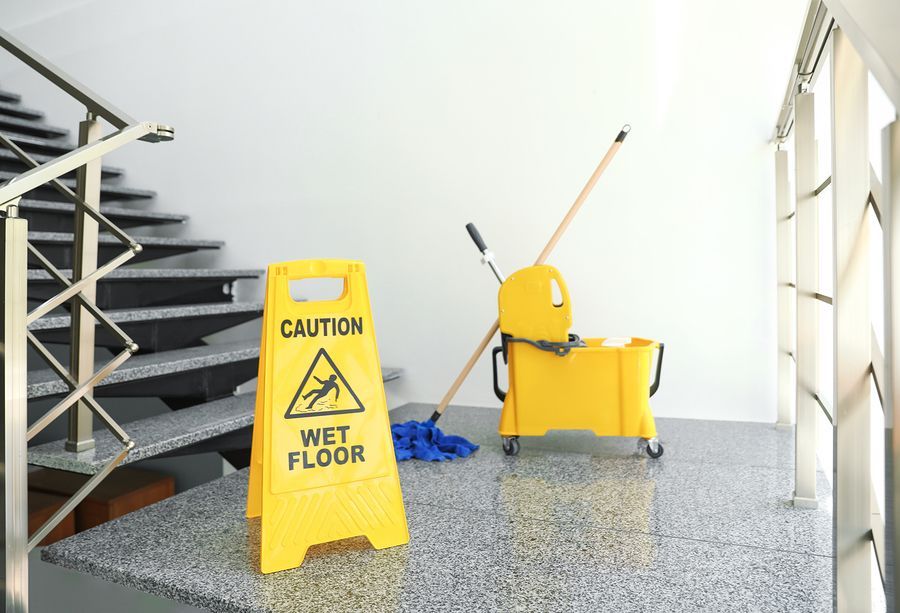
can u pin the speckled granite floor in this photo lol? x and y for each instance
(573, 523)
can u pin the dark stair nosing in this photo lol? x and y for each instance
(391, 374)
(32, 128)
(123, 316)
(17, 110)
(156, 328)
(145, 287)
(122, 274)
(9, 158)
(107, 192)
(52, 216)
(54, 148)
(57, 247)
(6, 96)
(151, 366)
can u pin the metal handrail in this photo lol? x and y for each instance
(95, 105)
(813, 38)
(873, 43)
(859, 37)
(31, 179)
(15, 247)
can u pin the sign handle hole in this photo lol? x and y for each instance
(317, 289)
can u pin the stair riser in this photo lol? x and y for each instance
(21, 126)
(160, 335)
(227, 444)
(187, 388)
(108, 193)
(54, 149)
(62, 221)
(61, 255)
(147, 292)
(20, 112)
(18, 167)
(10, 97)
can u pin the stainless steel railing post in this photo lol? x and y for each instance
(14, 469)
(81, 419)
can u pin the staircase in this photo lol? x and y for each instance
(169, 312)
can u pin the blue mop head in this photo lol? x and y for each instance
(425, 441)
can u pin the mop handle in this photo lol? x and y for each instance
(563, 226)
(585, 191)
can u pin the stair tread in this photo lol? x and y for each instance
(44, 382)
(42, 158)
(106, 239)
(122, 316)
(17, 110)
(153, 435)
(26, 141)
(158, 273)
(15, 124)
(159, 434)
(111, 192)
(9, 96)
(109, 211)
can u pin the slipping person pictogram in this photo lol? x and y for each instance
(323, 391)
(327, 385)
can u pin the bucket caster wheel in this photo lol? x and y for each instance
(653, 447)
(511, 445)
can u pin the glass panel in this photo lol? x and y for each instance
(876, 277)
(877, 448)
(879, 603)
(826, 354)
(881, 113)
(826, 240)
(822, 90)
(825, 447)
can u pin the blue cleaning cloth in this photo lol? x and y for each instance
(425, 441)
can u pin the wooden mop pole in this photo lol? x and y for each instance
(551, 244)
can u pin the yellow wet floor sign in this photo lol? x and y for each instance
(322, 465)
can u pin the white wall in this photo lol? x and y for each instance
(376, 130)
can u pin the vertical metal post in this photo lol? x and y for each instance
(807, 346)
(852, 327)
(81, 420)
(890, 219)
(14, 471)
(786, 284)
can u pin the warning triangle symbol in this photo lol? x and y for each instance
(323, 391)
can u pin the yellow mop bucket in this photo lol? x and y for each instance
(558, 381)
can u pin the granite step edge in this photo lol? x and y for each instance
(106, 239)
(17, 123)
(160, 273)
(106, 189)
(122, 316)
(43, 383)
(109, 211)
(153, 435)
